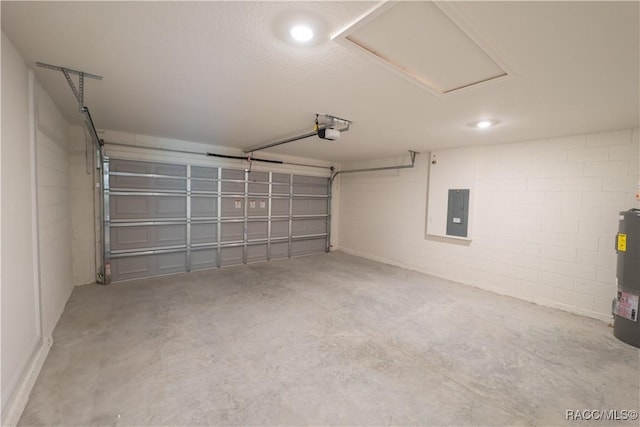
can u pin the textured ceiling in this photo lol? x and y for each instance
(223, 73)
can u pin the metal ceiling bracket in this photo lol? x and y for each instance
(328, 121)
(384, 168)
(104, 274)
(78, 92)
(334, 122)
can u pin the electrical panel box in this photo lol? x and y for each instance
(449, 169)
(458, 212)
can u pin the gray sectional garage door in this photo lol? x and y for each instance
(167, 218)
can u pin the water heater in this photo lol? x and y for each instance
(625, 306)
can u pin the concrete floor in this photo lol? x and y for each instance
(329, 339)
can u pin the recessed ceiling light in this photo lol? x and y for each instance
(301, 33)
(483, 124)
(300, 27)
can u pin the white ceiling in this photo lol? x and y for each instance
(223, 73)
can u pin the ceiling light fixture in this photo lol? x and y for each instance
(300, 27)
(301, 33)
(483, 124)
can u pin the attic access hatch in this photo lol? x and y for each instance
(421, 42)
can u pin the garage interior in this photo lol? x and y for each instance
(318, 213)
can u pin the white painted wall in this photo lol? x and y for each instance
(545, 216)
(36, 238)
(21, 335)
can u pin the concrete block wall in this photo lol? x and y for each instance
(21, 336)
(36, 228)
(544, 219)
(54, 215)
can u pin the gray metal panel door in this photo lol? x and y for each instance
(137, 266)
(168, 218)
(147, 212)
(204, 258)
(147, 236)
(458, 212)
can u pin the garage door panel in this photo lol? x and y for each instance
(131, 166)
(258, 176)
(279, 250)
(257, 230)
(127, 182)
(146, 207)
(308, 226)
(310, 185)
(226, 219)
(131, 267)
(171, 207)
(280, 189)
(171, 263)
(280, 183)
(204, 233)
(279, 229)
(204, 258)
(310, 206)
(232, 207)
(147, 236)
(258, 207)
(130, 238)
(172, 170)
(281, 178)
(149, 183)
(233, 174)
(169, 235)
(256, 253)
(201, 185)
(230, 186)
(140, 167)
(204, 207)
(204, 172)
(258, 182)
(232, 232)
(131, 207)
(308, 247)
(255, 188)
(134, 267)
(310, 190)
(231, 256)
(170, 184)
(145, 183)
(280, 207)
(204, 179)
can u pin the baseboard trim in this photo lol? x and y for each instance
(15, 407)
